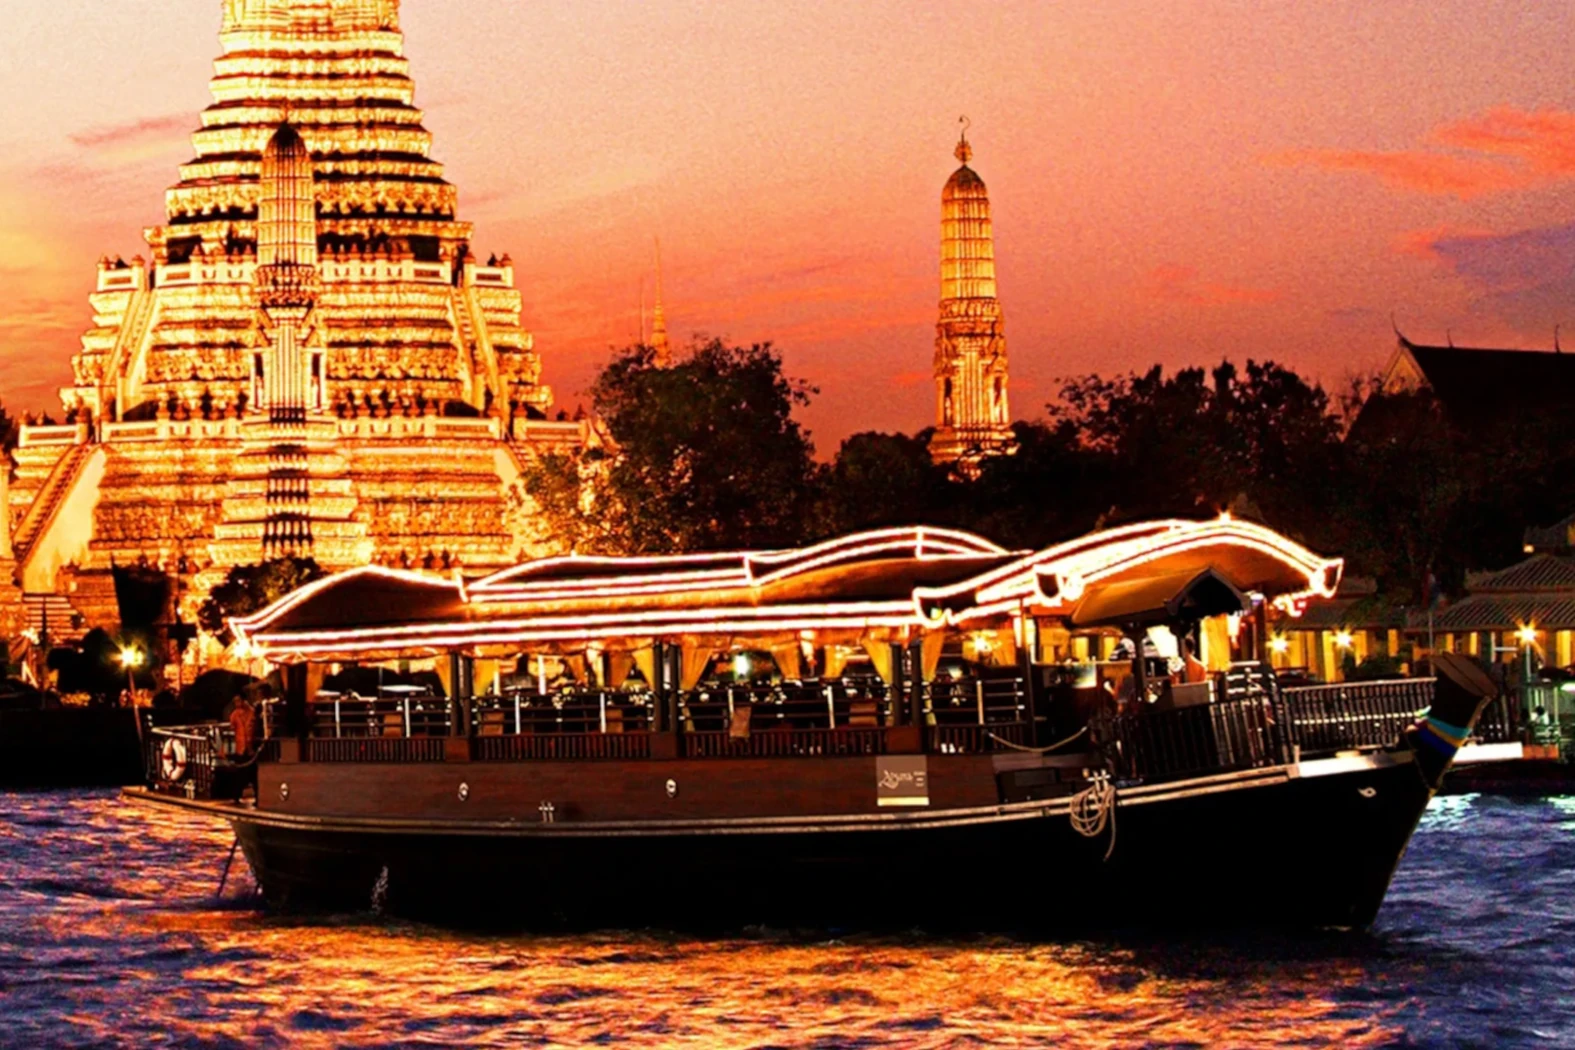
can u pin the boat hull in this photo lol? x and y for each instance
(1313, 845)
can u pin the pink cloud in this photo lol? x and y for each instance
(1496, 151)
(1182, 284)
(1424, 244)
(114, 136)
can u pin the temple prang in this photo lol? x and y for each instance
(310, 358)
(972, 413)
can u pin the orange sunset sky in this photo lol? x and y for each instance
(1173, 180)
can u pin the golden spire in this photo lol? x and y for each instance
(964, 152)
(967, 238)
(659, 343)
(287, 208)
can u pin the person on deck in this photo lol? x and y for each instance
(243, 721)
(1193, 670)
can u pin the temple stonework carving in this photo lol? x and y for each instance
(310, 359)
(972, 415)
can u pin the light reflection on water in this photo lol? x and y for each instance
(109, 935)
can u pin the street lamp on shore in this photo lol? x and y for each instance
(131, 658)
(1527, 637)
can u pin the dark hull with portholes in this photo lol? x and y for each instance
(1308, 846)
(1274, 809)
(1267, 852)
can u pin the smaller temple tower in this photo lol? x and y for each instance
(972, 417)
(659, 340)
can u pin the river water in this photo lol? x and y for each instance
(110, 935)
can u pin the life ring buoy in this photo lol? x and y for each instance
(172, 760)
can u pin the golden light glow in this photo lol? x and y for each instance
(576, 602)
(1344, 640)
(131, 658)
(1280, 645)
(1527, 634)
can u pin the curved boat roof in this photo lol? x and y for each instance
(890, 584)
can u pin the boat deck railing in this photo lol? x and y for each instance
(1240, 720)
(189, 759)
(1218, 737)
(1353, 715)
(1257, 724)
(839, 717)
(339, 716)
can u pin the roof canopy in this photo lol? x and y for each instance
(890, 584)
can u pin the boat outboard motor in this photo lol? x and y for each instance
(1461, 691)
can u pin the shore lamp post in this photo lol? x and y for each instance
(1527, 637)
(131, 658)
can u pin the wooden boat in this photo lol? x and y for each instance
(909, 727)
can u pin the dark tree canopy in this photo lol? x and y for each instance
(708, 457)
(249, 588)
(887, 479)
(1198, 443)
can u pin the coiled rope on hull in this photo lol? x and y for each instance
(1093, 808)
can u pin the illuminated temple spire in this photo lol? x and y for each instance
(973, 419)
(659, 343)
(288, 286)
(287, 278)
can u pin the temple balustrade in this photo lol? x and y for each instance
(36, 436)
(121, 278)
(426, 427)
(213, 270)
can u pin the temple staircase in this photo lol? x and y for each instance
(471, 326)
(46, 505)
(130, 346)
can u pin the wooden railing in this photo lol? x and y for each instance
(376, 749)
(562, 746)
(785, 743)
(979, 739)
(1354, 715)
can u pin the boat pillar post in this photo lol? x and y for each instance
(916, 683)
(292, 679)
(1260, 632)
(1028, 643)
(462, 676)
(897, 687)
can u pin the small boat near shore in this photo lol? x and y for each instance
(906, 727)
